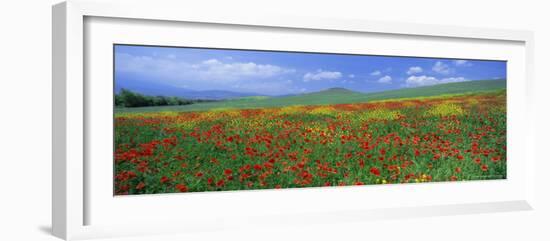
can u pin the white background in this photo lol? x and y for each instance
(182, 209)
(25, 122)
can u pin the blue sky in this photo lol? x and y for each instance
(281, 73)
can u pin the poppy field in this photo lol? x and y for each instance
(441, 138)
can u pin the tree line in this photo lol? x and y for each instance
(127, 98)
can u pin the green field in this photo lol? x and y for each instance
(334, 96)
(448, 137)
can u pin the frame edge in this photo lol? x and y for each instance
(59, 116)
(67, 64)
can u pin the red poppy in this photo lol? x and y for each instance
(142, 166)
(164, 179)
(458, 170)
(181, 187)
(227, 171)
(199, 174)
(359, 183)
(220, 183)
(176, 174)
(361, 163)
(268, 165)
(484, 168)
(124, 188)
(214, 160)
(140, 186)
(257, 167)
(131, 174)
(375, 171)
(478, 160)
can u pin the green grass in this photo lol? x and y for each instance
(333, 96)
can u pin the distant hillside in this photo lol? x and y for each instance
(328, 96)
(336, 90)
(449, 88)
(155, 89)
(339, 96)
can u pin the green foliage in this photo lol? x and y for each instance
(127, 98)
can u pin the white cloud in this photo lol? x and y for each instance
(376, 73)
(215, 69)
(385, 80)
(453, 79)
(414, 70)
(351, 76)
(211, 62)
(442, 68)
(462, 62)
(211, 69)
(423, 80)
(322, 75)
(215, 72)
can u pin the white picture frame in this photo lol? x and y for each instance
(71, 116)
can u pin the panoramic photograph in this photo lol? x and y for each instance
(202, 119)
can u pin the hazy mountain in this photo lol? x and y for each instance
(166, 90)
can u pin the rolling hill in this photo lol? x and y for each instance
(335, 96)
(449, 88)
